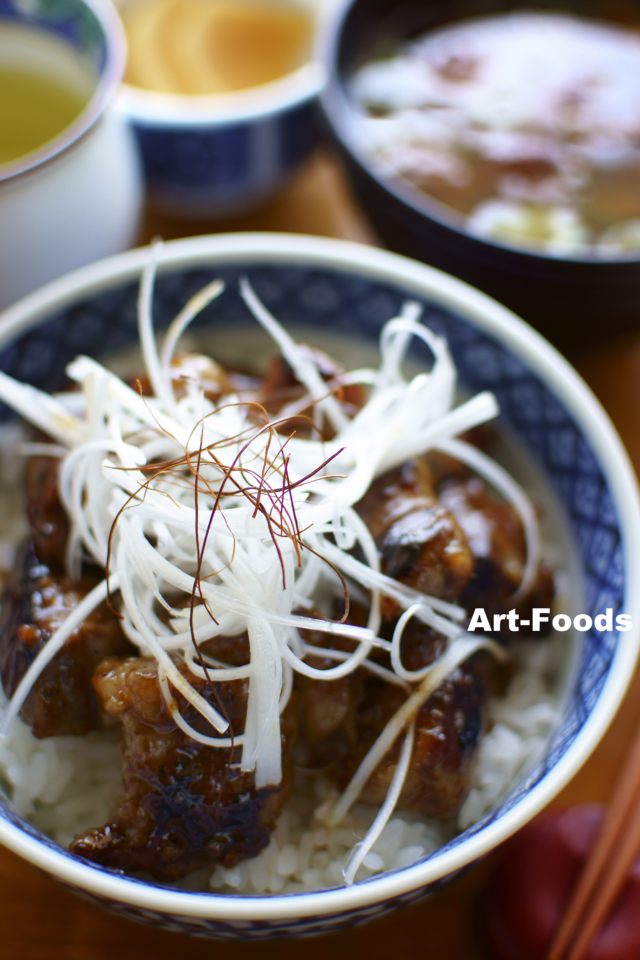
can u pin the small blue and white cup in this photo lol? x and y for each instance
(221, 155)
(78, 197)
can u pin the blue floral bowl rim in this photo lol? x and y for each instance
(106, 89)
(541, 359)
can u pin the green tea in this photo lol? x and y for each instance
(34, 109)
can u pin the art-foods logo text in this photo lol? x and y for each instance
(541, 616)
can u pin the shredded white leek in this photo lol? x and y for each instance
(361, 849)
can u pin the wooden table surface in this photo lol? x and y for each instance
(38, 919)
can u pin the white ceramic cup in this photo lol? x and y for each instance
(79, 196)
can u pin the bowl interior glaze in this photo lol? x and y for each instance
(353, 290)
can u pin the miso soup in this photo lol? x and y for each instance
(525, 125)
(44, 86)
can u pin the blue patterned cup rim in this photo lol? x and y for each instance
(537, 356)
(106, 88)
(185, 111)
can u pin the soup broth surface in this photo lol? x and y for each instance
(213, 46)
(525, 124)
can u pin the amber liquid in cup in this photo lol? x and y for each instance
(213, 46)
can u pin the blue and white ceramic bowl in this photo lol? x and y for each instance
(352, 289)
(223, 155)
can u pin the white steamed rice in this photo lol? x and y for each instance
(66, 785)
